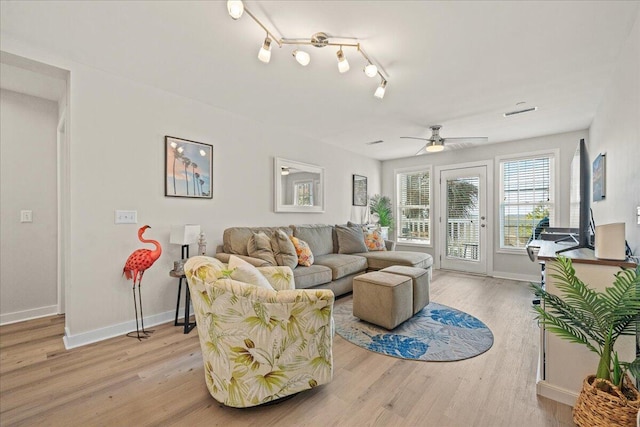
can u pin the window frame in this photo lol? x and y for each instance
(404, 171)
(554, 156)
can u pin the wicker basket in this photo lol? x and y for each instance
(597, 408)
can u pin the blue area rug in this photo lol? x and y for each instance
(437, 333)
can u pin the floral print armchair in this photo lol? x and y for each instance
(259, 344)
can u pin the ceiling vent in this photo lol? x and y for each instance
(525, 110)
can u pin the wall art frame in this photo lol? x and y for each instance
(599, 178)
(188, 168)
(359, 187)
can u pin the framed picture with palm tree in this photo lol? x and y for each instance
(188, 168)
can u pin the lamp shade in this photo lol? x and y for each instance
(184, 234)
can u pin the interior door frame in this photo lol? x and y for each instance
(440, 211)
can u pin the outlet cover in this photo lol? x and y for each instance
(26, 216)
(126, 217)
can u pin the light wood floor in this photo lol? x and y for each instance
(160, 381)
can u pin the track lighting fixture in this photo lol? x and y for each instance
(265, 51)
(302, 57)
(236, 9)
(370, 70)
(381, 89)
(343, 64)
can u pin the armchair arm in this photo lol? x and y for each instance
(280, 277)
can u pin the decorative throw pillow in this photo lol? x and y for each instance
(305, 257)
(283, 250)
(374, 241)
(259, 246)
(242, 271)
(350, 240)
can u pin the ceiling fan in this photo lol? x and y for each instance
(436, 142)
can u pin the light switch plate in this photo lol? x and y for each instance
(126, 217)
(26, 216)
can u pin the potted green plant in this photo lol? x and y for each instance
(596, 320)
(381, 206)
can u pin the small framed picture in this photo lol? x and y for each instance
(188, 168)
(599, 182)
(359, 190)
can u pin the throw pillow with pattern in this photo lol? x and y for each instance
(374, 241)
(305, 257)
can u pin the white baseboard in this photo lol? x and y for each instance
(515, 276)
(556, 393)
(84, 338)
(34, 313)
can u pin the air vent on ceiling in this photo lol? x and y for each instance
(375, 142)
(526, 110)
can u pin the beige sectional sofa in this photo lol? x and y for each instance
(332, 268)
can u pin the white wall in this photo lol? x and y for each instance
(116, 131)
(616, 131)
(28, 286)
(516, 266)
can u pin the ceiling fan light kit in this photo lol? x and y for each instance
(236, 9)
(436, 142)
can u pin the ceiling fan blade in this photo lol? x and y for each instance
(422, 151)
(471, 139)
(415, 137)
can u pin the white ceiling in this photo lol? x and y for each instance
(458, 64)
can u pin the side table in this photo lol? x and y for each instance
(188, 326)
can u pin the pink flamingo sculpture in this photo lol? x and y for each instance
(136, 265)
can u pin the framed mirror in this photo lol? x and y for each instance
(298, 187)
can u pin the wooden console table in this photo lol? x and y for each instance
(563, 365)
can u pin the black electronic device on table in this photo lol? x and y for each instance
(579, 200)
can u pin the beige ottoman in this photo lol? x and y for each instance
(383, 299)
(420, 279)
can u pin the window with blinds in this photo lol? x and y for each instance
(413, 223)
(526, 194)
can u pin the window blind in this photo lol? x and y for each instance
(413, 219)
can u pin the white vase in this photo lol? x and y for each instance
(384, 232)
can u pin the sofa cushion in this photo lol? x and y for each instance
(235, 239)
(318, 236)
(283, 250)
(374, 241)
(242, 271)
(382, 259)
(308, 277)
(350, 240)
(342, 265)
(305, 256)
(259, 246)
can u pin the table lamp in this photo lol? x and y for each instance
(184, 235)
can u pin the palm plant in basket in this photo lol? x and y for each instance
(596, 320)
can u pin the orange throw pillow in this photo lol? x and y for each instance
(305, 257)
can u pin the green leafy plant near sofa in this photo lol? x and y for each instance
(381, 205)
(595, 320)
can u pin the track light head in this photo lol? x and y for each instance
(381, 89)
(235, 8)
(343, 64)
(265, 51)
(370, 70)
(302, 57)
